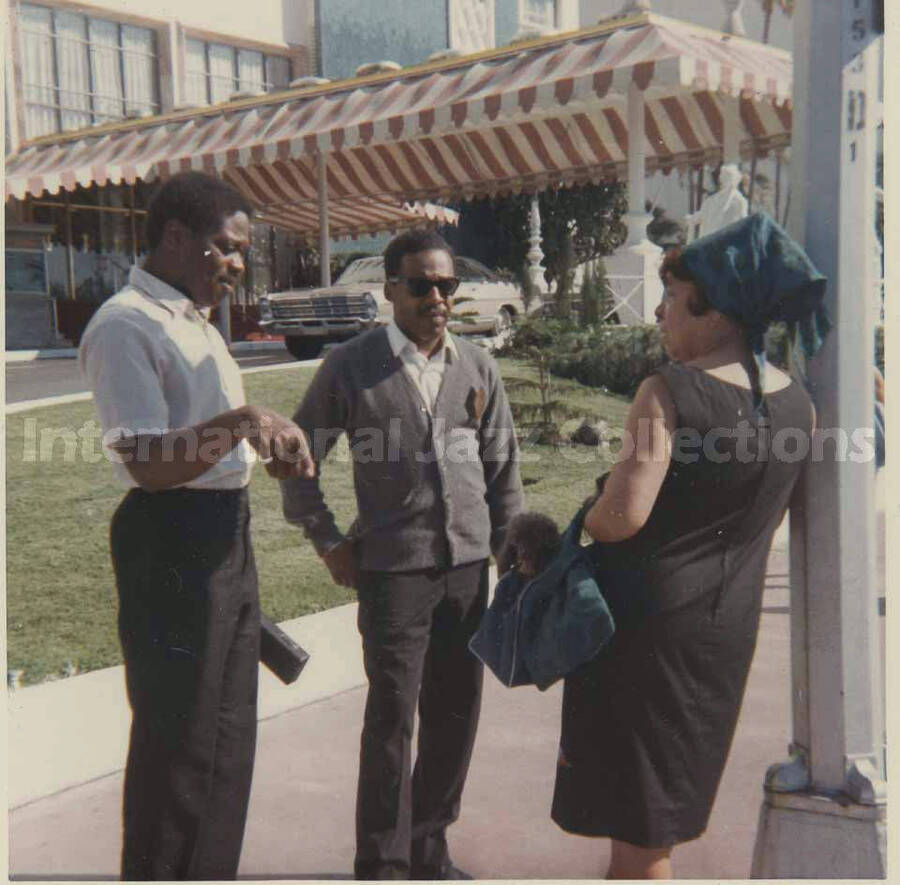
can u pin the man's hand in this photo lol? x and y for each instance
(341, 562)
(281, 445)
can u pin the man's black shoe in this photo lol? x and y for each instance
(446, 873)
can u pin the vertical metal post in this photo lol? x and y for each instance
(637, 218)
(824, 813)
(70, 251)
(731, 131)
(832, 212)
(324, 238)
(133, 226)
(638, 257)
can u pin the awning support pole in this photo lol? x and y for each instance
(133, 222)
(322, 185)
(731, 131)
(637, 218)
(70, 252)
(638, 258)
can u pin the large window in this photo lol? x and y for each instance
(215, 71)
(80, 71)
(540, 14)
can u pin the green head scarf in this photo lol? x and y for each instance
(753, 272)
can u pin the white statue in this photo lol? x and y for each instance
(724, 207)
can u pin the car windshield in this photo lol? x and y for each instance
(371, 270)
(471, 271)
(363, 270)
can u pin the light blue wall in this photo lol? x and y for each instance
(506, 20)
(354, 32)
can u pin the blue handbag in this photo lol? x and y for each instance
(537, 630)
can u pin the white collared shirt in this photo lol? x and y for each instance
(155, 363)
(426, 372)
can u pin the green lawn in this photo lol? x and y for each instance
(61, 601)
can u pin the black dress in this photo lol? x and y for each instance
(647, 725)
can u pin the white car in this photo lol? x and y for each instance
(310, 318)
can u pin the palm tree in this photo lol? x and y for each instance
(786, 6)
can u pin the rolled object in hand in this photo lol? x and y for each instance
(284, 657)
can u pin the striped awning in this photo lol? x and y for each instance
(358, 217)
(546, 113)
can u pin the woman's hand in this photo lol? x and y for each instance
(632, 486)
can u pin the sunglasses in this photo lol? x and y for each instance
(419, 287)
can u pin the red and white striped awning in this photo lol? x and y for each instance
(358, 217)
(547, 113)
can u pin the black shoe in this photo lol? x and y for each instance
(445, 873)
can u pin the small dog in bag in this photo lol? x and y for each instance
(532, 541)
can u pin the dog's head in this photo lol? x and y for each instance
(532, 540)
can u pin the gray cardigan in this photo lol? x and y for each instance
(431, 490)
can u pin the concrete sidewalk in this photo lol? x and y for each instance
(67, 746)
(70, 353)
(301, 819)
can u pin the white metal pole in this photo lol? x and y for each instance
(824, 813)
(834, 219)
(731, 130)
(637, 218)
(324, 238)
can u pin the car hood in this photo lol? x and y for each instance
(327, 292)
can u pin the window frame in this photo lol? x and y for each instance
(87, 50)
(527, 19)
(207, 41)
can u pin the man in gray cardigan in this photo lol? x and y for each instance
(435, 467)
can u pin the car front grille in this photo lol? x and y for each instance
(323, 307)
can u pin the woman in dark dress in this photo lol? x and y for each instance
(685, 521)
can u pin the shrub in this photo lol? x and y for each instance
(546, 333)
(590, 299)
(616, 358)
(777, 342)
(566, 281)
(604, 294)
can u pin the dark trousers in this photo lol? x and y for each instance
(189, 628)
(415, 630)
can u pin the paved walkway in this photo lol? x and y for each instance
(67, 743)
(301, 811)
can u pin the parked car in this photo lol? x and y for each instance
(311, 318)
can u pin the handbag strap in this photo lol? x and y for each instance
(572, 535)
